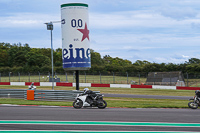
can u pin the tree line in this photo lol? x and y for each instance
(22, 58)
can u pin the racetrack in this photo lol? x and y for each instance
(45, 118)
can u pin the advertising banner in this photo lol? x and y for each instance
(75, 36)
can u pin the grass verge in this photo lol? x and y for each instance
(146, 103)
(112, 102)
(30, 102)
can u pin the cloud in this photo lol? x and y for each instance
(120, 20)
(178, 13)
(153, 30)
(185, 56)
(133, 50)
(28, 20)
(195, 25)
(141, 20)
(178, 56)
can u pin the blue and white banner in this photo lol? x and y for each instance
(75, 36)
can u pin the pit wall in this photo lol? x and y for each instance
(99, 85)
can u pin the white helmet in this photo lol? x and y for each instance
(85, 90)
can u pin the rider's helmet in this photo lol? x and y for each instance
(32, 84)
(85, 90)
(197, 91)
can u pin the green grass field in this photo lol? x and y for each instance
(109, 79)
(114, 101)
(70, 78)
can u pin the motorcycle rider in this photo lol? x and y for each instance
(31, 87)
(91, 96)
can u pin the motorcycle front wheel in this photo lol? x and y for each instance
(193, 105)
(77, 104)
(102, 105)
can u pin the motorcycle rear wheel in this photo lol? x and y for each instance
(193, 105)
(102, 105)
(77, 105)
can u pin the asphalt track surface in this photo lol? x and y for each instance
(68, 119)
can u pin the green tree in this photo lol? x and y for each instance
(96, 58)
(194, 61)
(16, 55)
(38, 59)
(58, 57)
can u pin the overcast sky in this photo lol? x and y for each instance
(160, 31)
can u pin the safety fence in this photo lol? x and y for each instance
(12, 93)
(57, 95)
(134, 78)
(84, 77)
(46, 95)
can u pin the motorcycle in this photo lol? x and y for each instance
(83, 100)
(32, 87)
(195, 101)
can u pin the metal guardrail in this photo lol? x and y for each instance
(46, 95)
(54, 95)
(12, 93)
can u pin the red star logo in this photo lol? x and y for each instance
(85, 32)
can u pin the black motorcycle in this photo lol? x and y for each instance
(195, 101)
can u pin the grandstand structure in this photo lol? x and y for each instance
(165, 78)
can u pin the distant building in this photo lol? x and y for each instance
(165, 78)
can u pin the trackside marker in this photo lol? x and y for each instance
(30, 95)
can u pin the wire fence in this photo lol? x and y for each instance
(190, 79)
(84, 77)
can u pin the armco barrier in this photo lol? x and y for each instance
(47, 83)
(100, 85)
(35, 83)
(120, 85)
(64, 84)
(187, 88)
(52, 95)
(4, 83)
(82, 84)
(163, 87)
(12, 93)
(141, 86)
(17, 83)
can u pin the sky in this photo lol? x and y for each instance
(160, 31)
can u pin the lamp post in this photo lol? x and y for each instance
(19, 76)
(113, 77)
(9, 76)
(39, 76)
(50, 27)
(127, 76)
(100, 76)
